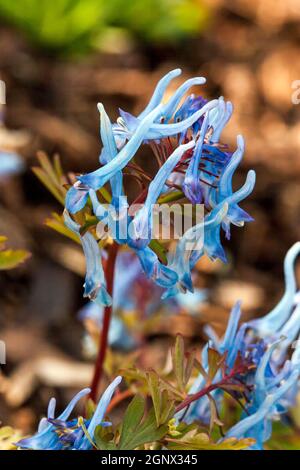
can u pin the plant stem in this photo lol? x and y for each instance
(118, 398)
(227, 378)
(196, 396)
(109, 275)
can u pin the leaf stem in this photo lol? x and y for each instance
(211, 387)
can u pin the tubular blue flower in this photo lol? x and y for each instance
(205, 175)
(191, 185)
(46, 437)
(236, 215)
(95, 283)
(156, 131)
(167, 111)
(212, 244)
(159, 131)
(141, 224)
(180, 261)
(272, 380)
(218, 118)
(257, 425)
(98, 416)
(231, 330)
(109, 152)
(155, 270)
(98, 178)
(64, 434)
(159, 92)
(275, 319)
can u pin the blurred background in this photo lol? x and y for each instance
(58, 59)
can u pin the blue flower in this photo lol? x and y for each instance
(10, 163)
(46, 437)
(275, 319)
(191, 185)
(264, 343)
(98, 178)
(95, 283)
(64, 434)
(259, 424)
(185, 141)
(141, 224)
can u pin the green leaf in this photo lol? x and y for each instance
(132, 418)
(214, 362)
(162, 401)
(133, 374)
(190, 363)
(167, 407)
(10, 259)
(214, 414)
(43, 177)
(153, 383)
(51, 176)
(138, 428)
(201, 441)
(57, 224)
(178, 362)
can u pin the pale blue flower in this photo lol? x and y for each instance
(258, 424)
(64, 434)
(275, 319)
(10, 163)
(95, 283)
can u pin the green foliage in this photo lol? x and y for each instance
(138, 428)
(67, 24)
(75, 26)
(10, 259)
(158, 20)
(163, 407)
(284, 437)
(51, 176)
(195, 440)
(56, 222)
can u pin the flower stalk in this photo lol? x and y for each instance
(103, 339)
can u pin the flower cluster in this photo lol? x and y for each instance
(193, 165)
(62, 433)
(273, 381)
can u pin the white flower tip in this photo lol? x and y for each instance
(240, 142)
(100, 107)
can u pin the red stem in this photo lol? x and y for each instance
(109, 275)
(206, 390)
(196, 396)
